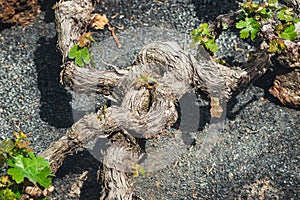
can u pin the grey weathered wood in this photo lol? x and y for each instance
(72, 20)
(144, 97)
(175, 71)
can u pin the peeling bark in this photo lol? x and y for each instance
(286, 88)
(144, 106)
(144, 98)
(72, 19)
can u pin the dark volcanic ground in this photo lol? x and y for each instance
(256, 155)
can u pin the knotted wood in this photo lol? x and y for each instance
(144, 98)
(144, 106)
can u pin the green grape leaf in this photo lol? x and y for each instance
(85, 55)
(36, 169)
(250, 27)
(211, 45)
(73, 53)
(266, 13)
(195, 32)
(272, 4)
(203, 36)
(81, 55)
(272, 1)
(78, 60)
(205, 29)
(138, 169)
(286, 14)
(241, 24)
(143, 171)
(244, 33)
(289, 33)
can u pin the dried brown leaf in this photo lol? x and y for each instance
(99, 21)
(216, 109)
(33, 191)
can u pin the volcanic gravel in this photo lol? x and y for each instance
(256, 155)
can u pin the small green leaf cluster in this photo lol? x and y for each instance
(204, 36)
(80, 54)
(138, 169)
(250, 27)
(21, 168)
(252, 16)
(80, 51)
(250, 20)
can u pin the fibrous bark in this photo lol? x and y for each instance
(286, 88)
(144, 98)
(140, 111)
(72, 19)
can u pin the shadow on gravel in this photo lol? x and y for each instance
(208, 10)
(55, 107)
(46, 5)
(4, 26)
(232, 102)
(72, 172)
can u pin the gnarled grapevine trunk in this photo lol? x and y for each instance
(72, 19)
(144, 98)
